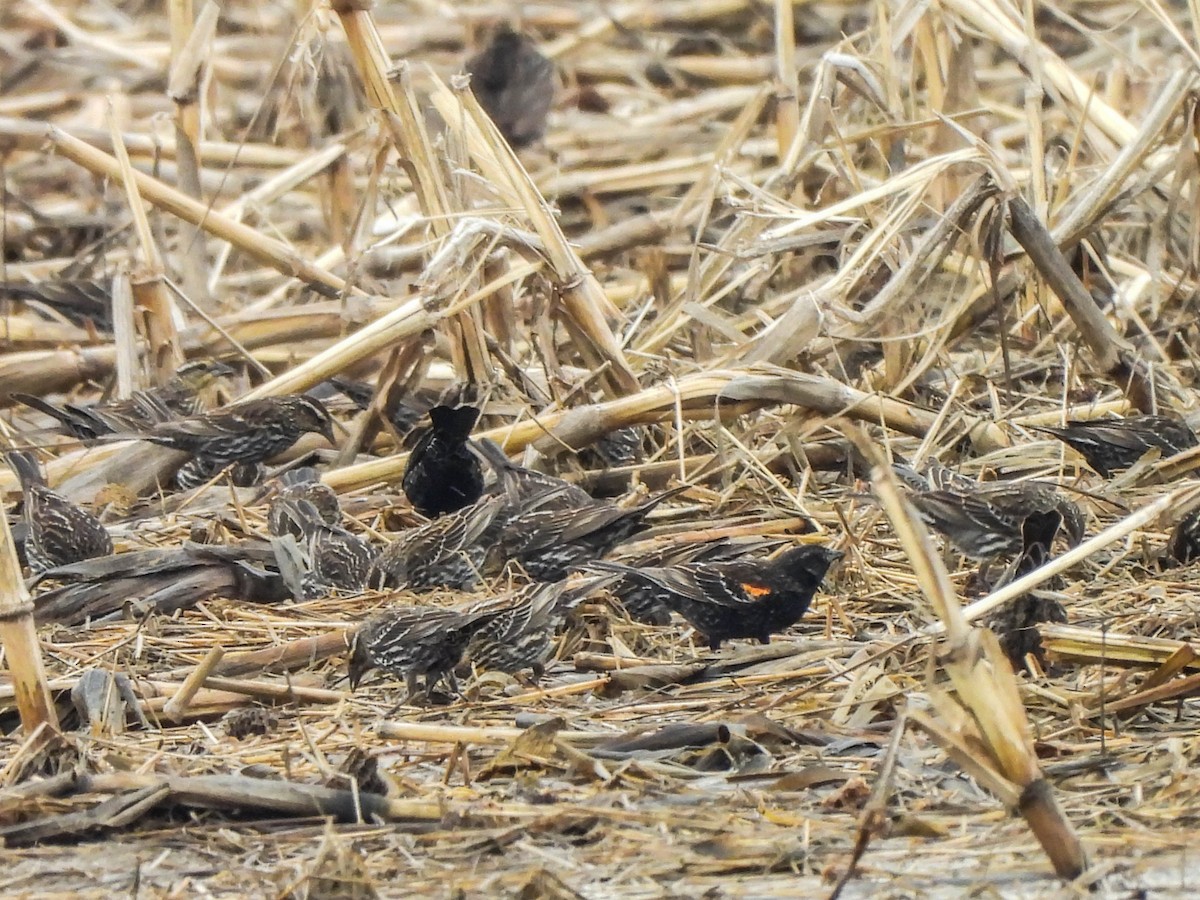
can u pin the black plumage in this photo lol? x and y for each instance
(247, 432)
(642, 600)
(59, 532)
(738, 598)
(442, 474)
(514, 84)
(1110, 445)
(1183, 545)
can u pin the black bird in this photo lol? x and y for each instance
(641, 599)
(59, 532)
(738, 598)
(447, 552)
(443, 474)
(415, 641)
(514, 84)
(549, 543)
(1110, 445)
(180, 396)
(302, 483)
(247, 432)
(337, 559)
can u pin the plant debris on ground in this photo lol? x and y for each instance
(759, 252)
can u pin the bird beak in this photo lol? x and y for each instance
(327, 433)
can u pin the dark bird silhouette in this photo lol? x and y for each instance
(442, 474)
(549, 542)
(514, 84)
(247, 432)
(180, 396)
(59, 532)
(1183, 545)
(1109, 445)
(738, 598)
(642, 599)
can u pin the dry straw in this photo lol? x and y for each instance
(941, 224)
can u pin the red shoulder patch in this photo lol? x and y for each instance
(755, 591)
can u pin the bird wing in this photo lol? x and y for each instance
(733, 586)
(959, 515)
(229, 421)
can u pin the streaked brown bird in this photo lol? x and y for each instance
(337, 559)
(739, 598)
(59, 532)
(520, 637)
(408, 411)
(247, 432)
(416, 641)
(442, 474)
(549, 543)
(526, 489)
(620, 447)
(1109, 445)
(514, 84)
(984, 520)
(302, 483)
(180, 396)
(1015, 623)
(197, 472)
(447, 552)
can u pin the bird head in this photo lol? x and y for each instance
(454, 422)
(807, 563)
(311, 415)
(198, 374)
(1074, 523)
(360, 662)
